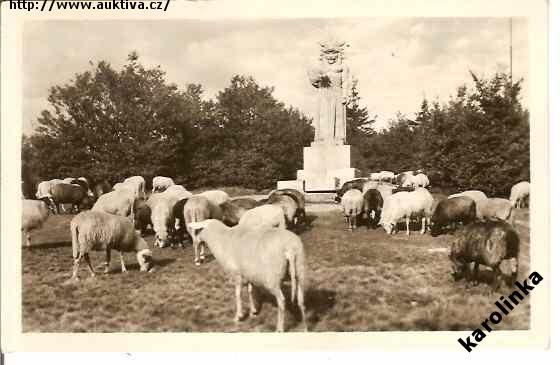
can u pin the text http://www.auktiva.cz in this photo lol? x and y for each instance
(50, 5)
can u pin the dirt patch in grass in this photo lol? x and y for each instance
(355, 281)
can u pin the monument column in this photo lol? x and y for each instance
(326, 164)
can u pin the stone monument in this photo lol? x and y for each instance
(326, 163)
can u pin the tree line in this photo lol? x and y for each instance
(110, 124)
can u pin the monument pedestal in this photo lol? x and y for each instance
(325, 168)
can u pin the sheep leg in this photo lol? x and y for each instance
(107, 260)
(76, 267)
(281, 302)
(423, 230)
(202, 252)
(238, 304)
(475, 273)
(123, 267)
(195, 246)
(91, 271)
(27, 239)
(407, 226)
(301, 303)
(252, 295)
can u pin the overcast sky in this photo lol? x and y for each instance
(397, 61)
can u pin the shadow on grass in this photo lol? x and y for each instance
(317, 303)
(307, 225)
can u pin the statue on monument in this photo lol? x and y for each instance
(331, 79)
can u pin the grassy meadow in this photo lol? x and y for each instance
(355, 281)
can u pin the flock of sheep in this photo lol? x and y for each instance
(117, 217)
(230, 228)
(487, 236)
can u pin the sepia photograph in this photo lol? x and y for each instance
(256, 174)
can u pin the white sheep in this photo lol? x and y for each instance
(519, 193)
(161, 205)
(215, 197)
(371, 184)
(417, 203)
(33, 215)
(103, 231)
(197, 209)
(160, 183)
(120, 202)
(495, 208)
(420, 180)
(375, 176)
(352, 205)
(266, 215)
(288, 205)
(139, 183)
(475, 195)
(179, 191)
(258, 257)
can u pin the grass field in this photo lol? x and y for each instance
(355, 281)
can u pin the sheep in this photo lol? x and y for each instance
(495, 208)
(160, 183)
(257, 257)
(386, 190)
(373, 204)
(234, 209)
(352, 206)
(119, 202)
(142, 216)
(94, 230)
(519, 193)
(298, 197)
(215, 197)
(407, 181)
(420, 180)
(139, 183)
(44, 193)
(375, 176)
(451, 211)
(70, 194)
(351, 184)
(288, 205)
(417, 203)
(490, 243)
(266, 215)
(33, 215)
(403, 177)
(178, 191)
(197, 209)
(161, 206)
(388, 176)
(475, 195)
(369, 185)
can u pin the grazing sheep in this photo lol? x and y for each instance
(388, 176)
(386, 190)
(118, 202)
(519, 193)
(161, 205)
(139, 183)
(475, 195)
(451, 211)
(437, 198)
(160, 183)
(34, 213)
(495, 208)
(103, 231)
(417, 203)
(403, 177)
(142, 216)
(488, 243)
(234, 209)
(70, 194)
(215, 197)
(369, 185)
(44, 193)
(298, 197)
(101, 188)
(375, 176)
(266, 215)
(352, 206)
(178, 191)
(288, 205)
(178, 217)
(351, 184)
(373, 204)
(257, 257)
(420, 180)
(197, 209)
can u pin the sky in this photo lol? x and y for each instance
(397, 61)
